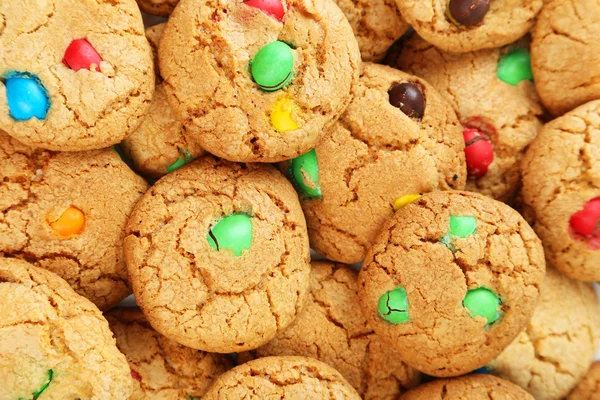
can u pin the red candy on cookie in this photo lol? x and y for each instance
(479, 152)
(586, 222)
(81, 55)
(273, 8)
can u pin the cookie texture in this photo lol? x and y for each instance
(40, 188)
(205, 55)
(564, 54)
(589, 387)
(330, 329)
(509, 115)
(163, 8)
(87, 109)
(212, 298)
(424, 252)
(505, 22)
(160, 368)
(560, 175)
(54, 343)
(283, 378)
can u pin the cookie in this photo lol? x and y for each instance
(284, 378)
(330, 329)
(495, 101)
(468, 25)
(218, 255)
(160, 368)
(472, 387)
(54, 343)
(564, 54)
(397, 138)
(589, 387)
(163, 8)
(556, 349)
(74, 75)
(560, 186)
(451, 280)
(66, 212)
(258, 81)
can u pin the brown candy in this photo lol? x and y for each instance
(468, 12)
(409, 98)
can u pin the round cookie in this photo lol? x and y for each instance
(385, 146)
(218, 255)
(451, 280)
(164, 8)
(472, 387)
(556, 349)
(160, 368)
(564, 54)
(560, 186)
(589, 387)
(256, 86)
(467, 25)
(74, 75)
(284, 378)
(330, 330)
(54, 343)
(66, 212)
(494, 100)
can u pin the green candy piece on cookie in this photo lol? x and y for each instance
(272, 67)
(393, 306)
(515, 67)
(305, 173)
(484, 303)
(180, 162)
(231, 233)
(462, 227)
(38, 393)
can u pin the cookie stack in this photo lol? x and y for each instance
(308, 199)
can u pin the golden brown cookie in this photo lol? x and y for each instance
(164, 8)
(560, 186)
(160, 368)
(54, 343)
(589, 387)
(502, 106)
(285, 378)
(564, 54)
(218, 255)
(74, 75)
(66, 212)
(556, 349)
(451, 280)
(253, 86)
(331, 329)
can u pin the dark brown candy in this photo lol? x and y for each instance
(468, 12)
(409, 98)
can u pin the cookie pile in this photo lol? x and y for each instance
(308, 199)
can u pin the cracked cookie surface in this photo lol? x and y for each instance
(589, 387)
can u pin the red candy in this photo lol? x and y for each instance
(81, 55)
(479, 152)
(135, 375)
(273, 8)
(586, 221)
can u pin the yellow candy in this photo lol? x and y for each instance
(405, 200)
(70, 223)
(281, 116)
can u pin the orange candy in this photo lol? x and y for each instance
(71, 222)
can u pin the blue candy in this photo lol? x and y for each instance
(27, 97)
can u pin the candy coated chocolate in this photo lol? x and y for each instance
(27, 98)
(468, 12)
(81, 55)
(408, 97)
(272, 67)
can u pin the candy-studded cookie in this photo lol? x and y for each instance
(564, 54)
(218, 255)
(54, 343)
(589, 387)
(74, 75)
(451, 280)
(556, 349)
(160, 368)
(164, 8)
(66, 212)
(258, 80)
(286, 378)
(468, 25)
(561, 187)
(398, 139)
(331, 329)
(496, 102)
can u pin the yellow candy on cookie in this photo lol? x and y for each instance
(281, 116)
(71, 222)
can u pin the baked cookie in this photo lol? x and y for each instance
(330, 330)
(218, 255)
(564, 54)
(560, 186)
(451, 280)
(495, 101)
(284, 378)
(54, 343)
(160, 368)
(471, 387)
(66, 212)
(258, 80)
(589, 387)
(467, 25)
(74, 75)
(397, 139)
(164, 8)
(556, 349)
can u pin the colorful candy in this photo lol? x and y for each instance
(27, 97)
(136, 375)
(405, 200)
(272, 67)
(479, 152)
(233, 232)
(273, 8)
(38, 393)
(468, 12)
(281, 116)
(181, 161)
(587, 221)
(515, 67)
(71, 222)
(484, 303)
(305, 173)
(460, 227)
(393, 306)
(408, 97)
(81, 55)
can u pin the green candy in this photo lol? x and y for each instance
(272, 67)
(462, 227)
(305, 173)
(515, 67)
(393, 306)
(187, 158)
(231, 233)
(484, 303)
(38, 393)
